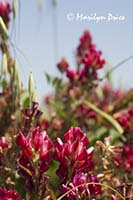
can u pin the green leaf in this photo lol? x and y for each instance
(59, 110)
(48, 77)
(3, 83)
(100, 133)
(106, 116)
(31, 85)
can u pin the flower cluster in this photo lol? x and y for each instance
(3, 145)
(81, 186)
(73, 155)
(8, 194)
(64, 163)
(125, 119)
(75, 161)
(30, 114)
(63, 65)
(88, 60)
(127, 158)
(34, 158)
(85, 43)
(88, 55)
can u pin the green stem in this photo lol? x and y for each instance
(117, 66)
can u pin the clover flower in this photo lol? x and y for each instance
(63, 65)
(88, 60)
(3, 146)
(34, 158)
(92, 59)
(36, 146)
(81, 187)
(124, 121)
(127, 158)
(8, 194)
(3, 143)
(73, 155)
(29, 114)
(87, 53)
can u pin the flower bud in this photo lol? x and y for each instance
(31, 85)
(16, 73)
(35, 96)
(4, 65)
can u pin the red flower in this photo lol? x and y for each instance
(124, 121)
(3, 146)
(72, 75)
(33, 160)
(3, 143)
(131, 112)
(93, 59)
(85, 43)
(42, 145)
(28, 114)
(94, 188)
(88, 59)
(25, 168)
(79, 186)
(127, 158)
(8, 194)
(35, 147)
(87, 53)
(25, 144)
(44, 124)
(73, 155)
(63, 65)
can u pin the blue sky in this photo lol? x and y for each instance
(34, 34)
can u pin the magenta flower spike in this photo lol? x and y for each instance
(8, 194)
(73, 155)
(34, 157)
